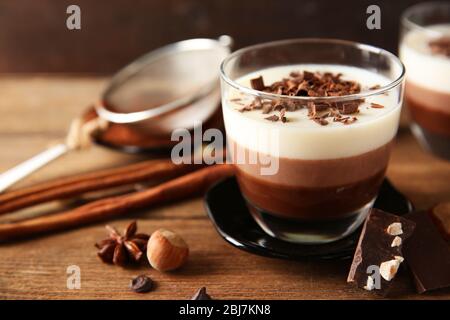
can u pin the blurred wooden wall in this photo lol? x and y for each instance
(34, 37)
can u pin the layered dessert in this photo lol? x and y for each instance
(426, 55)
(327, 158)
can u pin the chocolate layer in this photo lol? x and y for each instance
(428, 108)
(315, 189)
(309, 203)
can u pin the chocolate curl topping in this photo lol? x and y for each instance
(308, 84)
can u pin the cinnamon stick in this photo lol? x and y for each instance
(71, 186)
(189, 185)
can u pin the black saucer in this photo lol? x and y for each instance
(229, 214)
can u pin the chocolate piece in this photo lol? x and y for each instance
(141, 284)
(376, 260)
(201, 295)
(441, 217)
(258, 83)
(349, 107)
(427, 254)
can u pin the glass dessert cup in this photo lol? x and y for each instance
(304, 180)
(425, 51)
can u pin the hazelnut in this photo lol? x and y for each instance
(395, 229)
(166, 250)
(388, 269)
(370, 285)
(397, 242)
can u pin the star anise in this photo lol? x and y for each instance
(123, 249)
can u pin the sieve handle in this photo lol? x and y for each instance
(10, 177)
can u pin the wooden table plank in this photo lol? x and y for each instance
(35, 112)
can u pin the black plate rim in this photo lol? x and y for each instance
(250, 247)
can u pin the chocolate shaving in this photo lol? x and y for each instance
(440, 46)
(282, 115)
(320, 121)
(245, 108)
(258, 83)
(314, 85)
(349, 120)
(376, 106)
(273, 118)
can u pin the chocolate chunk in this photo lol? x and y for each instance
(201, 295)
(378, 254)
(427, 254)
(441, 217)
(349, 107)
(258, 83)
(141, 284)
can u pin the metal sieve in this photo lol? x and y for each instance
(176, 86)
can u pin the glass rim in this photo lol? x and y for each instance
(406, 15)
(361, 95)
(224, 43)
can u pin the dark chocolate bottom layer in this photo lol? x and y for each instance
(310, 204)
(309, 231)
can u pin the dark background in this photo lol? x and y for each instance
(34, 37)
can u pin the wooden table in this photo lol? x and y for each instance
(36, 110)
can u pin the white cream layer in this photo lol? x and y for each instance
(423, 68)
(302, 138)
